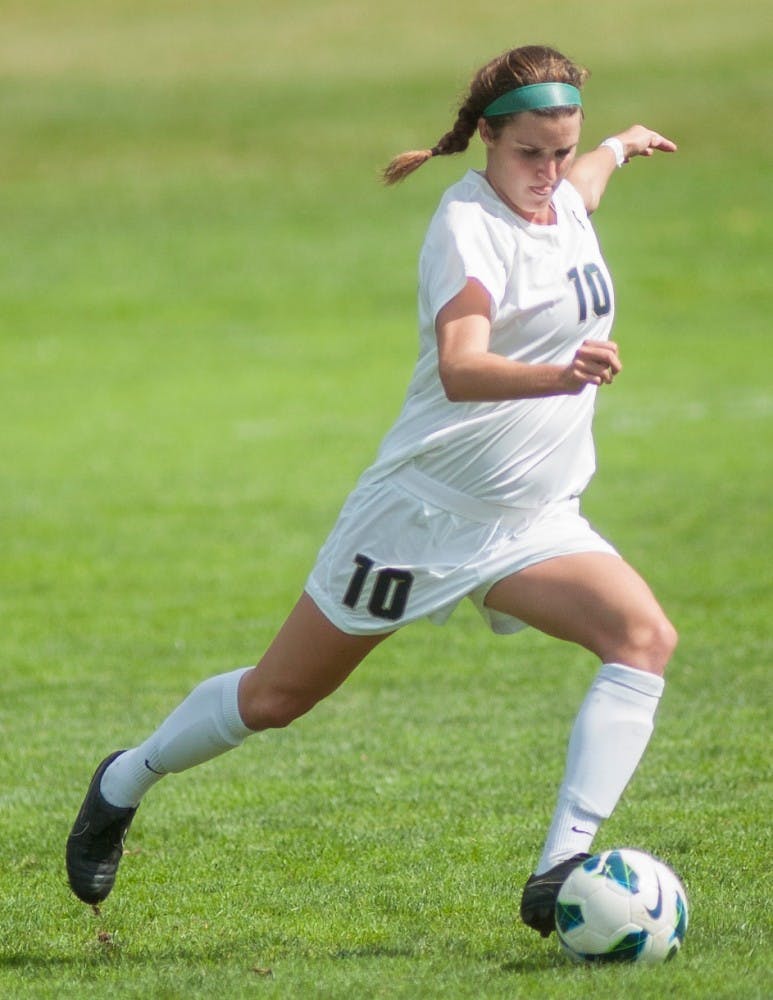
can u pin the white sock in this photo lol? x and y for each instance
(203, 726)
(608, 739)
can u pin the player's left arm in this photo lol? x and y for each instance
(590, 172)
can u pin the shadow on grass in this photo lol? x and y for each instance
(533, 963)
(536, 962)
(374, 951)
(100, 960)
(101, 956)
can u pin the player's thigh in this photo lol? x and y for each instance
(594, 599)
(309, 658)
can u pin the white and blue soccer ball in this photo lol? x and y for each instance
(621, 906)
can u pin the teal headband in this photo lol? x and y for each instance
(534, 96)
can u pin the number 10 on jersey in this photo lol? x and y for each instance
(597, 286)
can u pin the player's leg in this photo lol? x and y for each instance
(598, 601)
(308, 660)
(593, 599)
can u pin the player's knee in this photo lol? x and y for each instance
(670, 638)
(271, 709)
(653, 641)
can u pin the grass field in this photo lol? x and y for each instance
(206, 324)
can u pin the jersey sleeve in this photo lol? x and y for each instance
(460, 245)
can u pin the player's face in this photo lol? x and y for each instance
(528, 159)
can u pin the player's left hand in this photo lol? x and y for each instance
(638, 140)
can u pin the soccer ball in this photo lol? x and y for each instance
(621, 906)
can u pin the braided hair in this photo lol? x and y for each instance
(515, 68)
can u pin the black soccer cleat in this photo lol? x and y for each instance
(538, 902)
(95, 844)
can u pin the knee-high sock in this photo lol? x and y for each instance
(608, 739)
(206, 724)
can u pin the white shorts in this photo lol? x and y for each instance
(408, 547)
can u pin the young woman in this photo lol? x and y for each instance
(475, 490)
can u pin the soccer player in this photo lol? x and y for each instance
(475, 490)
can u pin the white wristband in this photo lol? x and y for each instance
(617, 148)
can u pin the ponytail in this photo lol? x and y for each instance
(406, 163)
(455, 141)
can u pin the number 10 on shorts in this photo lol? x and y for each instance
(389, 593)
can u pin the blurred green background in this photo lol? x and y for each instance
(207, 321)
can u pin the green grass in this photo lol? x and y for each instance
(206, 324)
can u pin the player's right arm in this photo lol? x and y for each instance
(470, 372)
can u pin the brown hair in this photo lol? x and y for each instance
(516, 68)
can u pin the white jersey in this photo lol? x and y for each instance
(550, 290)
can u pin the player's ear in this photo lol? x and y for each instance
(484, 131)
